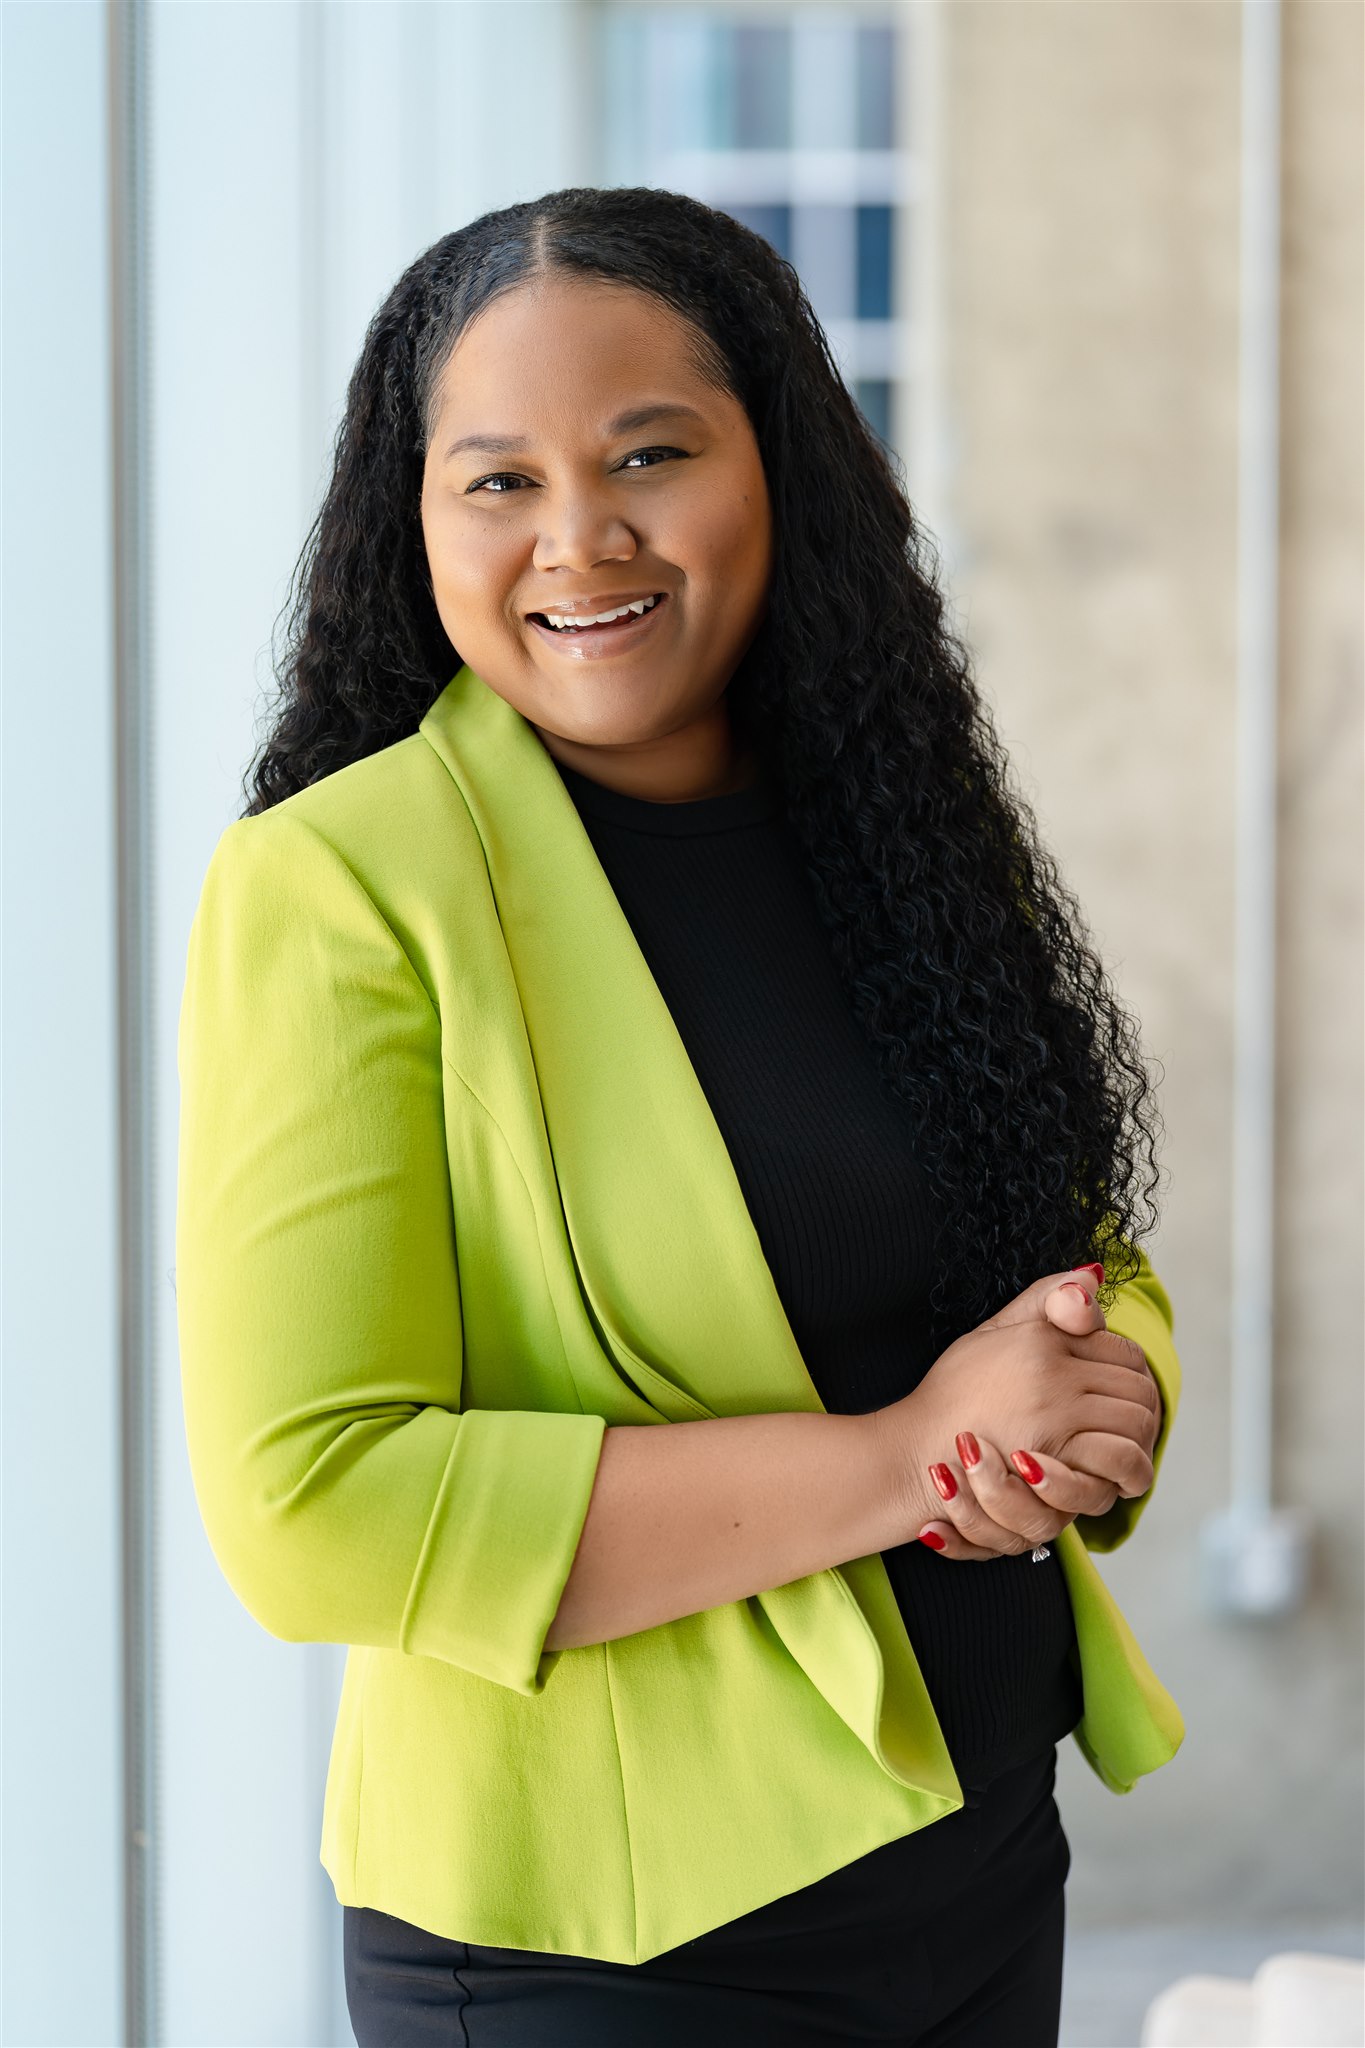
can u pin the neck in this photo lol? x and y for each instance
(704, 759)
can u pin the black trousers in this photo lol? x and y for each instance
(948, 1938)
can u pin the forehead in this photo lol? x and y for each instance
(556, 344)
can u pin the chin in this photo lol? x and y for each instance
(603, 714)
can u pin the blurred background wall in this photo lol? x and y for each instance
(1091, 239)
(1020, 224)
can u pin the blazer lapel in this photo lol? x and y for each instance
(667, 1252)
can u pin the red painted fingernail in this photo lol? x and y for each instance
(1094, 1268)
(943, 1480)
(1072, 1288)
(968, 1449)
(934, 1540)
(1028, 1467)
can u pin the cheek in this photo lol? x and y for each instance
(733, 540)
(469, 568)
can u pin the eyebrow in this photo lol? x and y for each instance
(624, 423)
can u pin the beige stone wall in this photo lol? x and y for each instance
(1090, 252)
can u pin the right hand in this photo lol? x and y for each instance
(1041, 1373)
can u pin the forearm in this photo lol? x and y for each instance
(686, 1516)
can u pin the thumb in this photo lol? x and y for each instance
(1042, 1301)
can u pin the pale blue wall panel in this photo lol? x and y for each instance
(62, 1933)
(246, 1914)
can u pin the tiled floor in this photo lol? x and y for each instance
(1110, 1978)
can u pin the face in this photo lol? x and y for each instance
(541, 498)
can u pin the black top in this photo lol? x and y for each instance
(717, 896)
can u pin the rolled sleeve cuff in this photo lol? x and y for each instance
(501, 1542)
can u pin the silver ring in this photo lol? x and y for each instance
(1040, 1553)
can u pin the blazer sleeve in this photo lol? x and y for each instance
(345, 1494)
(1141, 1310)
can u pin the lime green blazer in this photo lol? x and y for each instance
(450, 1201)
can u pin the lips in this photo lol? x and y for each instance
(603, 626)
(589, 642)
(592, 607)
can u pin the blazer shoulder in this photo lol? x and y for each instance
(391, 835)
(396, 819)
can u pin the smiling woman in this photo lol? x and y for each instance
(661, 1170)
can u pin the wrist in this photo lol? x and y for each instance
(904, 1488)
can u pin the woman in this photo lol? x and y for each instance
(633, 996)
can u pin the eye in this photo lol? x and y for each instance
(654, 451)
(503, 477)
(510, 476)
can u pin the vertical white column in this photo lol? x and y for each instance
(1254, 1556)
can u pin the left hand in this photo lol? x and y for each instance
(1001, 1507)
(1006, 1514)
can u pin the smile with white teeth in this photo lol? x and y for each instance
(641, 604)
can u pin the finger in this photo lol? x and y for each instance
(1073, 1308)
(1027, 1307)
(1005, 1496)
(1064, 1488)
(1130, 1357)
(944, 1540)
(1114, 1458)
(948, 1534)
(1108, 1347)
(1118, 1376)
(973, 1522)
(1118, 1430)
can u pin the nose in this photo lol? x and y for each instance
(581, 529)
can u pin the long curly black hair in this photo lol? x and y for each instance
(966, 958)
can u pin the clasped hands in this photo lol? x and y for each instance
(984, 1507)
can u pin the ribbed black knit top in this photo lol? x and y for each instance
(717, 897)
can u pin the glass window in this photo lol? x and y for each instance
(873, 398)
(874, 262)
(773, 222)
(876, 71)
(825, 253)
(688, 100)
(760, 72)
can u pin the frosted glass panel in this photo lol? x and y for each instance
(760, 83)
(874, 242)
(876, 75)
(774, 223)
